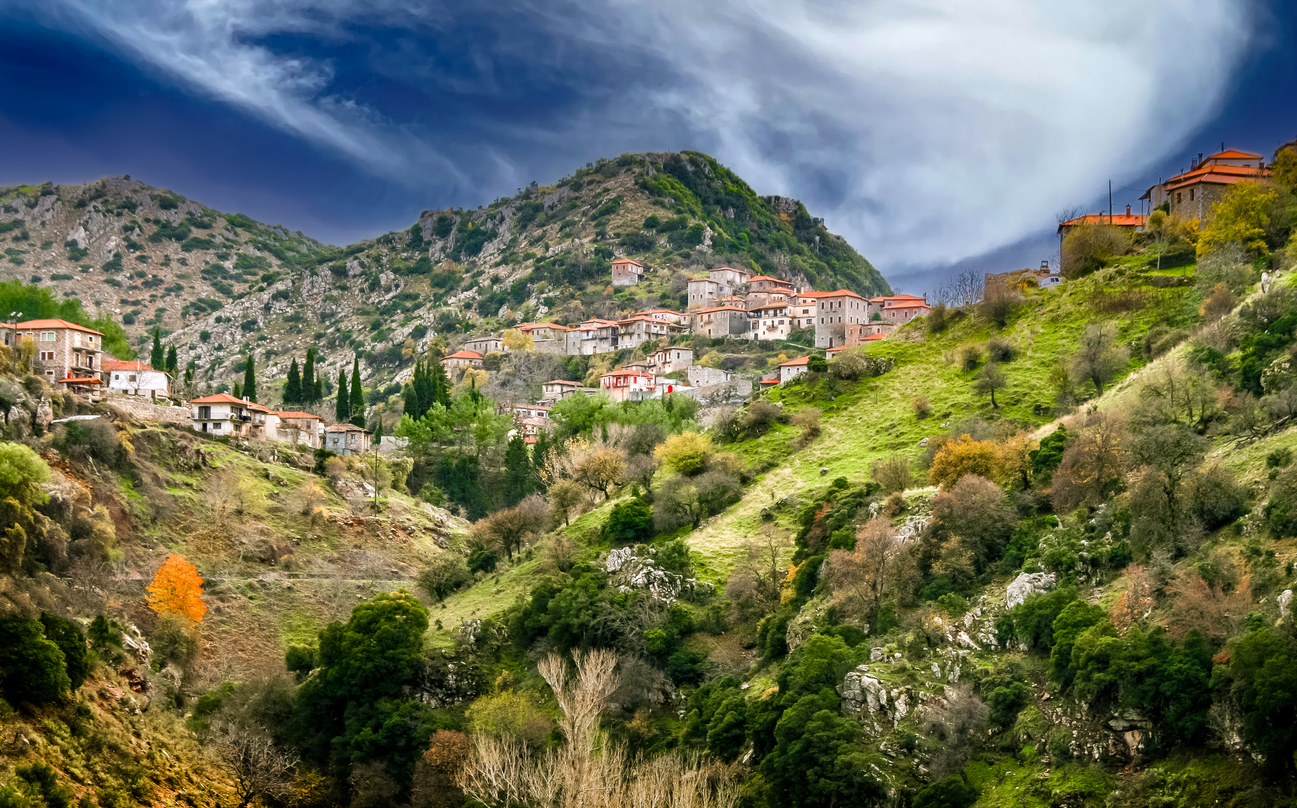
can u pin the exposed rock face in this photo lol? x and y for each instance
(1027, 584)
(880, 709)
(632, 570)
(1285, 605)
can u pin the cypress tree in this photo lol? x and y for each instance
(319, 391)
(293, 388)
(173, 361)
(190, 370)
(424, 393)
(157, 359)
(378, 432)
(357, 394)
(410, 401)
(309, 394)
(342, 408)
(441, 384)
(238, 390)
(250, 381)
(517, 471)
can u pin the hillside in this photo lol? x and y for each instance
(221, 286)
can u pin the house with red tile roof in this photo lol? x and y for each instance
(900, 308)
(136, 378)
(299, 428)
(1191, 194)
(720, 322)
(462, 359)
(1133, 222)
(834, 311)
(793, 368)
(627, 384)
(627, 272)
(223, 414)
(734, 276)
(63, 349)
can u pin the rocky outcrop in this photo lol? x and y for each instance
(1028, 584)
(879, 708)
(635, 569)
(1285, 606)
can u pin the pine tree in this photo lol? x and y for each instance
(293, 387)
(342, 408)
(177, 587)
(517, 471)
(173, 361)
(157, 359)
(357, 394)
(250, 381)
(309, 395)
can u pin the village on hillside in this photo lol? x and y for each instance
(727, 303)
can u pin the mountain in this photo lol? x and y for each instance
(221, 286)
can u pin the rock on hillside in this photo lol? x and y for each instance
(222, 286)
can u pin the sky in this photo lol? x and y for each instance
(935, 135)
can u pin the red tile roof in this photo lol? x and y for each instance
(629, 261)
(218, 398)
(719, 308)
(563, 382)
(32, 324)
(465, 355)
(756, 278)
(769, 381)
(841, 293)
(1232, 154)
(626, 372)
(81, 380)
(533, 326)
(795, 362)
(1117, 220)
(297, 416)
(117, 364)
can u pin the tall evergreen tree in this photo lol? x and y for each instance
(441, 384)
(540, 452)
(357, 394)
(410, 402)
(319, 391)
(425, 392)
(517, 471)
(157, 359)
(190, 370)
(238, 390)
(293, 387)
(250, 381)
(173, 361)
(342, 407)
(308, 379)
(378, 431)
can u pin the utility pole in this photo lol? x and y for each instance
(1109, 201)
(375, 448)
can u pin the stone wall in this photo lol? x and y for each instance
(144, 410)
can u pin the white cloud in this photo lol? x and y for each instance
(926, 131)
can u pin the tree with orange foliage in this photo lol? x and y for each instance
(964, 456)
(178, 588)
(1134, 605)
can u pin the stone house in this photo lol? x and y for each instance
(539, 411)
(734, 277)
(135, 378)
(484, 345)
(765, 283)
(223, 414)
(901, 308)
(462, 359)
(558, 389)
(1190, 195)
(63, 349)
(704, 291)
(720, 321)
(703, 376)
(637, 330)
(347, 439)
(628, 385)
(803, 308)
(669, 360)
(597, 336)
(666, 315)
(834, 311)
(627, 272)
(548, 338)
(299, 428)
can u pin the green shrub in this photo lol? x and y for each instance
(68, 637)
(32, 668)
(630, 522)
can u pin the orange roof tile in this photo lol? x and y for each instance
(1117, 220)
(465, 355)
(117, 364)
(628, 261)
(81, 380)
(218, 398)
(720, 308)
(795, 362)
(293, 415)
(52, 323)
(563, 382)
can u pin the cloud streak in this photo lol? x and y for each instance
(926, 131)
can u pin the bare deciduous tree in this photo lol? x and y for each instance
(258, 768)
(588, 770)
(507, 529)
(881, 564)
(963, 289)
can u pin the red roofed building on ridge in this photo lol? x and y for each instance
(901, 308)
(720, 321)
(223, 414)
(300, 428)
(1190, 195)
(1126, 221)
(834, 311)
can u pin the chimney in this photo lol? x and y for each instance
(1128, 210)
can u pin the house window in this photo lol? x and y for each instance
(216, 426)
(48, 336)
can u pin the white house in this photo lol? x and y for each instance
(223, 414)
(136, 379)
(793, 368)
(558, 389)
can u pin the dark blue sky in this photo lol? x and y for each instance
(934, 140)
